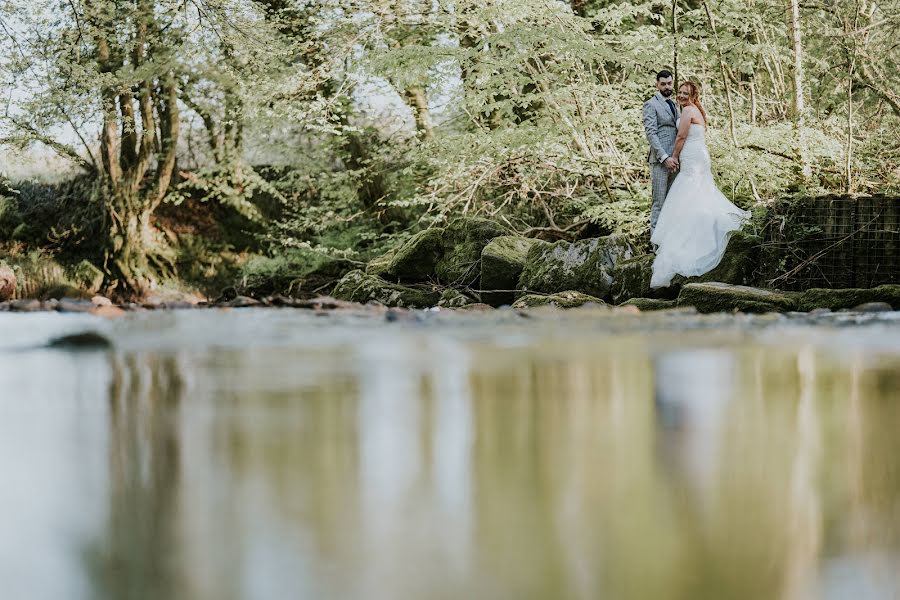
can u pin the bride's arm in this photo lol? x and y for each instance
(683, 128)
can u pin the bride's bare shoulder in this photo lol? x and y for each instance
(693, 114)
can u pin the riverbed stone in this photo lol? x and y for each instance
(464, 240)
(836, 299)
(631, 279)
(873, 307)
(711, 297)
(502, 262)
(650, 304)
(566, 299)
(451, 298)
(25, 305)
(413, 261)
(72, 305)
(585, 265)
(357, 286)
(7, 283)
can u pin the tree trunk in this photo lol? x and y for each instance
(138, 142)
(726, 82)
(129, 244)
(799, 100)
(417, 100)
(675, 42)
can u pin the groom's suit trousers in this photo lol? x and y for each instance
(661, 179)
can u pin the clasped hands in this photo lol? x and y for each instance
(672, 164)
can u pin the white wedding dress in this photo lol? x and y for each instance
(696, 219)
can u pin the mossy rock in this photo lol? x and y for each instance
(86, 276)
(631, 278)
(585, 265)
(464, 240)
(739, 264)
(648, 304)
(502, 262)
(714, 297)
(415, 260)
(451, 298)
(836, 299)
(297, 272)
(357, 286)
(379, 266)
(566, 299)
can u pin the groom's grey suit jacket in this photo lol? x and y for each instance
(659, 125)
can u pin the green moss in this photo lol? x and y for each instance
(631, 278)
(722, 297)
(849, 297)
(585, 265)
(296, 272)
(416, 259)
(381, 264)
(451, 298)
(357, 286)
(502, 262)
(86, 276)
(464, 241)
(648, 304)
(566, 299)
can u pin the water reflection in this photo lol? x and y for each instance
(137, 553)
(417, 466)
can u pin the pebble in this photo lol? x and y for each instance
(25, 305)
(873, 307)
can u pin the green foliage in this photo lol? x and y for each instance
(340, 128)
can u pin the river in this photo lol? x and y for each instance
(264, 453)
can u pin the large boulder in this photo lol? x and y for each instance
(357, 286)
(502, 262)
(738, 266)
(631, 278)
(713, 297)
(297, 272)
(585, 265)
(739, 263)
(849, 297)
(413, 261)
(567, 299)
(464, 239)
(7, 283)
(86, 276)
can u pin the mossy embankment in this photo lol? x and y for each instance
(52, 245)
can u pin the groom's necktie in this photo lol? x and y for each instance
(672, 108)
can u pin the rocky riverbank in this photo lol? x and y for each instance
(473, 263)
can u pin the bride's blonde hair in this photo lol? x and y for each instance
(694, 97)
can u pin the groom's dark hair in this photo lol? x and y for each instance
(663, 74)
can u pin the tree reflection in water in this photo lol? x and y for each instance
(428, 468)
(138, 554)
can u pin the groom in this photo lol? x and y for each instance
(660, 114)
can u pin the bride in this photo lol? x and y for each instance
(696, 219)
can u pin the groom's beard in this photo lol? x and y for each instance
(666, 93)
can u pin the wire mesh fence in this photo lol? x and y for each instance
(832, 242)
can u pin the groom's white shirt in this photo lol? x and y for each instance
(660, 127)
